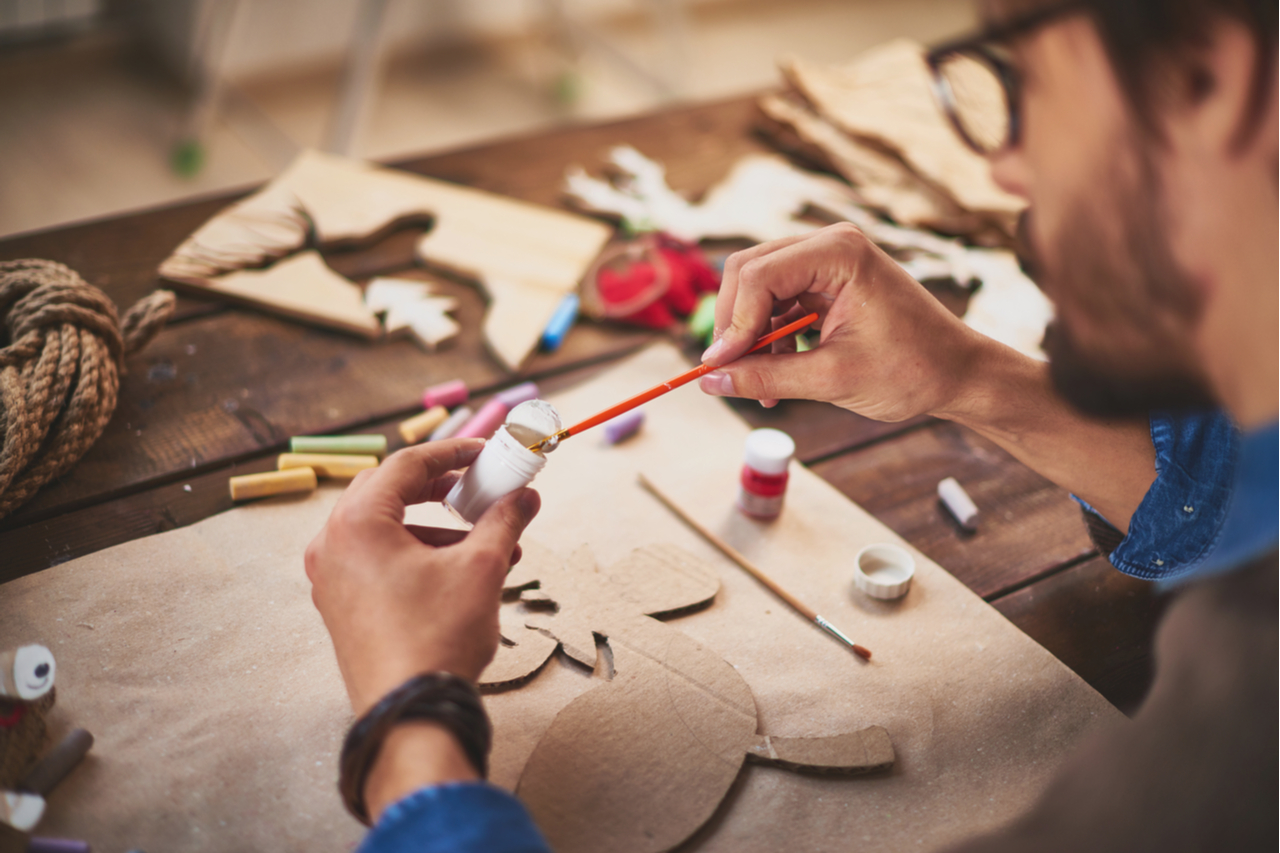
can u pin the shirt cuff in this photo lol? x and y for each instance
(455, 818)
(1180, 518)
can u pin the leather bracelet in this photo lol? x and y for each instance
(440, 697)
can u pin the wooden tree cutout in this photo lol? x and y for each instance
(641, 761)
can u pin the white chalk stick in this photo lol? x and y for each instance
(958, 503)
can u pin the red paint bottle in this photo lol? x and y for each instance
(764, 472)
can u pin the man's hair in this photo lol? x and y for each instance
(1154, 43)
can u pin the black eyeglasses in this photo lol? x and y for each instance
(977, 85)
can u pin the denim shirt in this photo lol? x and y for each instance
(1213, 506)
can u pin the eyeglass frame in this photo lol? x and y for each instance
(979, 45)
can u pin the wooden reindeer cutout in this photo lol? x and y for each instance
(641, 761)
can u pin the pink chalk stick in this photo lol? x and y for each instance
(447, 394)
(488, 419)
(513, 397)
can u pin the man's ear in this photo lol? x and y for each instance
(1228, 94)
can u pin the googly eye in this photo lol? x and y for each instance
(33, 672)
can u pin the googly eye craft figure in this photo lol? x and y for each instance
(26, 695)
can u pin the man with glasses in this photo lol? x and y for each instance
(1144, 135)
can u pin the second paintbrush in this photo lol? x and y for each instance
(669, 385)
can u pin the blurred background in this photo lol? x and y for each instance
(110, 105)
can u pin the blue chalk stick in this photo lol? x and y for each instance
(560, 323)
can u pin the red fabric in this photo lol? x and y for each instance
(690, 276)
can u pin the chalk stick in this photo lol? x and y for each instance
(420, 426)
(518, 394)
(452, 424)
(958, 503)
(702, 321)
(488, 419)
(58, 763)
(623, 426)
(375, 445)
(272, 483)
(20, 810)
(58, 845)
(445, 394)
(336, 465)
(560, 323)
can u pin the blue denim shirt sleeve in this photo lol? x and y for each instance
(1179, 521)
(455, 818)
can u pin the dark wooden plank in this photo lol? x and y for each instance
(1029, 526)
(238, 383)
(820, 430)
(46, 542)
(222, 385)
(1097, 621)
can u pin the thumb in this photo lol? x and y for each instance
(500, 526)
(773, 376)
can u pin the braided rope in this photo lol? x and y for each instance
(60, 369)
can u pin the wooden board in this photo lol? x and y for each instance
(1097, 621)
(1028, 526)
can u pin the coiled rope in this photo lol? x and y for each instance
(60, 367)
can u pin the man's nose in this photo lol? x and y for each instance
(1009, 171)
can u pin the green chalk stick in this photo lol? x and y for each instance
(703, 320)
(358, 444)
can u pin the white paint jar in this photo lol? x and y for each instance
(502, 467)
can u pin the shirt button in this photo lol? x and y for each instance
(1188, 509)
(1159, 562)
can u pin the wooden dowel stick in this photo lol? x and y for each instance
(751, 569)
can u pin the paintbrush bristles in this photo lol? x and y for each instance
(750, 568)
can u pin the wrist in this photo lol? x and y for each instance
(447, 705)
(415, 754)
(980, 383)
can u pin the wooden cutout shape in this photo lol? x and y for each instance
(302, 287)
(410, 307)
(638, 763)
(884, 97)
(525, 256)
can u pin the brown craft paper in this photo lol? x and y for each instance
(198, 662)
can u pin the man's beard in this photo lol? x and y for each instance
(1122, 274)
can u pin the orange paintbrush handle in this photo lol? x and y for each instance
(682, 379)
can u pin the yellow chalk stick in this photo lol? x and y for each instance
(420, 426)
(272, 483)
(327, 464)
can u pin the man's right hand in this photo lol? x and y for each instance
(888, 350)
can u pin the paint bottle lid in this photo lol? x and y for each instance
(883, 571)
(769, 451)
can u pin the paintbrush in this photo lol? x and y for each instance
(670, 385)
(751, 569)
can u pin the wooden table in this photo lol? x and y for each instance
(221, 389)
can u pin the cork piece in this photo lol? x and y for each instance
(422, 425)
(681, 720)
(339, 466)
(525, 257)
(250, 486)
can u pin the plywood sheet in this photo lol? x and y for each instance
(197, 660)
(525, 256)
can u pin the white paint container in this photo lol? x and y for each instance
(763, 482)
(883, 571)
(502, 467)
